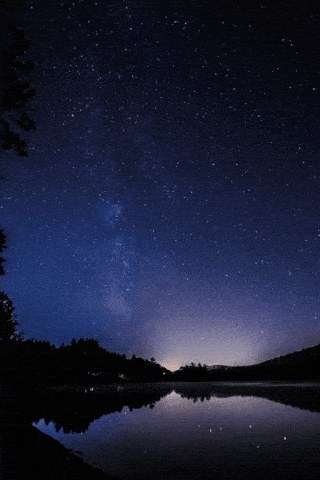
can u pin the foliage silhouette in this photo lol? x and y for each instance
(2, 247)
(38, 363)
(16, 93)
(8, 321)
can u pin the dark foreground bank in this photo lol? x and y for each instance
(27, 453)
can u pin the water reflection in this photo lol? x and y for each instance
(72, 411)
(201, 431)
(304, 396)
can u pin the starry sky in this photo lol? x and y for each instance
(169, 203)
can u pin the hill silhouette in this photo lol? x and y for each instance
(303, 365)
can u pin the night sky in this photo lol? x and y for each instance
(169, 203)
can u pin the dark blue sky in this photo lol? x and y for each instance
(169, 205)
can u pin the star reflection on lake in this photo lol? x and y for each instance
(204, 431)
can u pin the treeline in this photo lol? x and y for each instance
(84, 361)
(16, 92)
(302, 366)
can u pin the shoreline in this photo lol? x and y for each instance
(27, 453)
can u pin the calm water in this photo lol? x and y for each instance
(201, 438)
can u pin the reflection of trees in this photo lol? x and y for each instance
(306, 397)
(74, 411)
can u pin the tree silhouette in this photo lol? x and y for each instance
(8, 322)
(2, 247)
(16, 93)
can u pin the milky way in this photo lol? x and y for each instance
(169, 203)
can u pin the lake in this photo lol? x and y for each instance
(196, 431)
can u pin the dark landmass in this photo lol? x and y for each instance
(38, 363)
(27, 453)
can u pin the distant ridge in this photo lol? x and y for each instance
(309, 354)
(303, 365)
